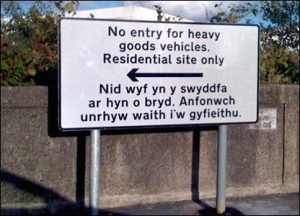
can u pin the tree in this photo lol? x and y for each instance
(279, 56)
(234, 13)
(29, 42)
(280, 42)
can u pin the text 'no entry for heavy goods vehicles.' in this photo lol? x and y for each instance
(116, 73)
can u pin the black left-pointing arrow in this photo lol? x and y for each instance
(133, 74)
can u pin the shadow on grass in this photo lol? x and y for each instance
(54, 203)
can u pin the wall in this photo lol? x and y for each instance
(144, 166)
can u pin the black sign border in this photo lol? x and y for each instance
(151, 126)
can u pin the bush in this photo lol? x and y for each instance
(28, 46)
(29, 42)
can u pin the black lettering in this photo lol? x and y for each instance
(106, 57)
(115, 31)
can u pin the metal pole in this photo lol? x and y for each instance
(221, 169)
(94, 172)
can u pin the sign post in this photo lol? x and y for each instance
(221, 169)
(117, 74)
(94, 172)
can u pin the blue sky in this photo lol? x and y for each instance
(86, 5)
(83, 5)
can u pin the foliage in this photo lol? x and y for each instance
(29, 42)
(279, 55)
(69, 7)
(234, 13)
(161, 16)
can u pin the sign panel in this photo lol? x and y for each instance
(117, 73)
(266, 120)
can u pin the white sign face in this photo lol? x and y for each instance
(130, 73)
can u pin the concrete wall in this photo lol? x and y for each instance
(144, 166)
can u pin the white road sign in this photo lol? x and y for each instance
(117, 73)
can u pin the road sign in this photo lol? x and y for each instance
(116, 73)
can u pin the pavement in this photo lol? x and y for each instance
(280, 204)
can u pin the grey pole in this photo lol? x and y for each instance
(94, 172)
(221, 169)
